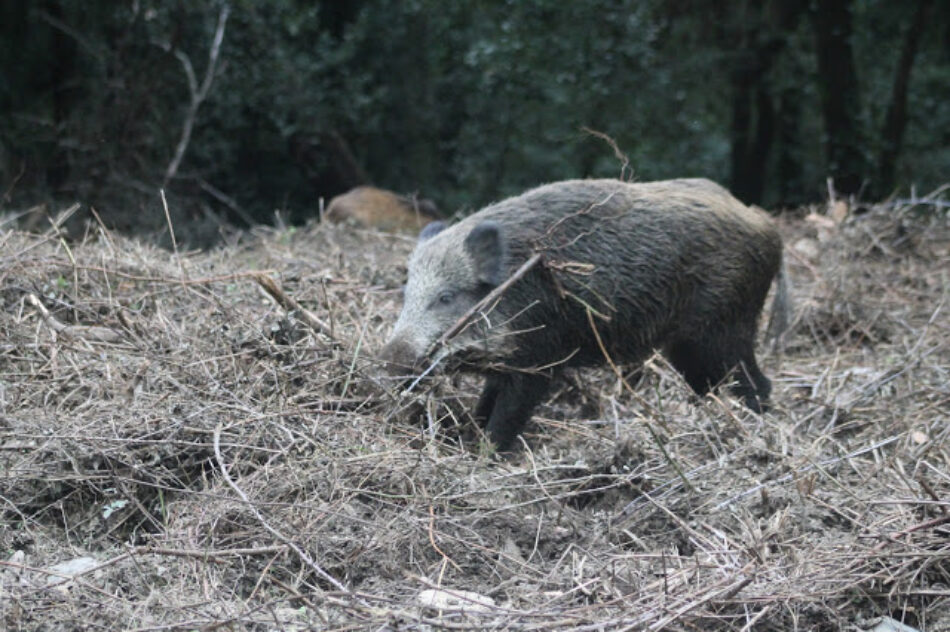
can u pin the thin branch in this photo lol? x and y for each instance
(171, 233)
(330, 579)
(454, 330)
(618, 154)
(921, 202)
(84, 332)
(83, 41)
(227, 200)
(198, 93)
(288, 303)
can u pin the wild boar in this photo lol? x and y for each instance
(383, 210)
(626, 268)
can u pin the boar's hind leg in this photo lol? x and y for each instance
(750, 384)
(507, 402)
(713, 360)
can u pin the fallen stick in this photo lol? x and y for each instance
(288, 303)
(84, 332)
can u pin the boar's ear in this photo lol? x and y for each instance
(487, 248)
(431, 230)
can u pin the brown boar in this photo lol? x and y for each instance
(678, 265)
(383, 210)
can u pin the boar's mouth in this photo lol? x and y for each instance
(400, 365)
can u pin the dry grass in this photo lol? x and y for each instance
(222, 465)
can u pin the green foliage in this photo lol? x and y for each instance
(463, 102)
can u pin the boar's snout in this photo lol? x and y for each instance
(398, 359)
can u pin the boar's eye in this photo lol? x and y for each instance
(446, 297)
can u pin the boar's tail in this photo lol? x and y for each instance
(780, 317)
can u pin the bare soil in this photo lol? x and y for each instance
(207, 459)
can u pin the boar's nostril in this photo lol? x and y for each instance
(398, 358)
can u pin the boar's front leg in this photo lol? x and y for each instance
(507, 402)
(486, 401)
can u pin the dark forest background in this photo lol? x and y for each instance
(463, 102)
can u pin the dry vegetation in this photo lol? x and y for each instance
(206, 460)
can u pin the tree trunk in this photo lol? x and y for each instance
(789, 172)
(761, 36)
(753, 125)
(62, 54)
(840, 99)
(892, 136)
(336, 16)
(739, 135)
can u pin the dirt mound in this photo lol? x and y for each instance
(182, 448)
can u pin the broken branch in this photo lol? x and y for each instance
(453, 331)
(198, 94)
(288, 303)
